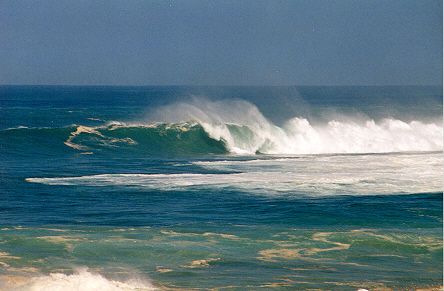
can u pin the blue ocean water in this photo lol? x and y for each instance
(221, 188)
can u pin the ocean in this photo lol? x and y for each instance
(221, 188)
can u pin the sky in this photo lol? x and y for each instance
(221, 42)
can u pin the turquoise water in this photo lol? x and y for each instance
(229, 188)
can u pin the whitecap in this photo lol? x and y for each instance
(82, 280)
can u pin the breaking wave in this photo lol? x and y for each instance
(242, 129)
(298, 136)
(238, 127)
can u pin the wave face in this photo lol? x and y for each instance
(233, 126)
(149, 140)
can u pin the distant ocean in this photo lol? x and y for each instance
(221, 188)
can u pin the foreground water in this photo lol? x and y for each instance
(311, 188)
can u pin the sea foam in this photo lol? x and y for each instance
(346, 175)
(82, 280)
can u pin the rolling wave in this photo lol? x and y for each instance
(233, 127)
(243, 129)
(298, 136)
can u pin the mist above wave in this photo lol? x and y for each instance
(245, 130)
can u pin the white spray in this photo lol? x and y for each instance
(245, 130)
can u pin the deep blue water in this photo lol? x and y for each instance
(238, 188)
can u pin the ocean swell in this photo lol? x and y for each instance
(205, 127)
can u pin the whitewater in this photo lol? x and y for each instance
(244, 130)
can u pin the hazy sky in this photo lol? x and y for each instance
(221, 42)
